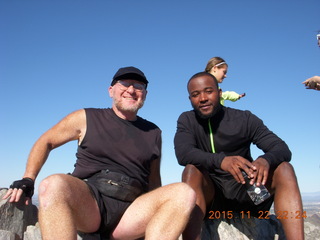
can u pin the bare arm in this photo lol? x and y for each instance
(72, 127)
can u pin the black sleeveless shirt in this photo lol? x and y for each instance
(122, 146)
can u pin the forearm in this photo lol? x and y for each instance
(275, 149)
(278, 153)
(199, 158)
(37, 157)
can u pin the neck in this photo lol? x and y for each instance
(126, 115)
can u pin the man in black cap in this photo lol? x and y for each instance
(114, 191)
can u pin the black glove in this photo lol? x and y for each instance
(26, 184)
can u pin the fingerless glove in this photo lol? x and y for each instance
(26, 184)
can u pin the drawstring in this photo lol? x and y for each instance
(211, 136)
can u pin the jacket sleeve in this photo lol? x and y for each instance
(230, 95)
(275, 149)
(187, 150)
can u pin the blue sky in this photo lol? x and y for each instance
(59, 56)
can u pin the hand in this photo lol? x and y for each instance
(234, 165)
(17, 188)
(261, 173)
(242, 95)
(312, 83)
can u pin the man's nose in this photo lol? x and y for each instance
(130, 89)
(203, 97)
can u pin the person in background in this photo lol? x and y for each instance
(213, 143)
(312, 83)
(218, 67)
(115, 189)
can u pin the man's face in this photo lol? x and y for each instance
(204, 96)
(128, 95)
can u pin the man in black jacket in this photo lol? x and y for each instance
(213, 142)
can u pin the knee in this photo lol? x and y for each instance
(184, 195)
(284, 174)
(192, 175)
(51, 188)
(284, 170)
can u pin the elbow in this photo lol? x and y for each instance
(289, 156)
(181, 160)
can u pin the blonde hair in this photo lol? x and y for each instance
(215, 61)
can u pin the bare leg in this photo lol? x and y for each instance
(160, 214)
(205, 192)
(287, 199)
(66, 205)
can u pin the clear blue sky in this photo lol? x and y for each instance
(59, 56)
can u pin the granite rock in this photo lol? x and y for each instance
(15, 217)
(243, 229)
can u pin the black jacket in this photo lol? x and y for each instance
(233, 133)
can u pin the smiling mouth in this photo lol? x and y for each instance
(130, 98)
(205, 107)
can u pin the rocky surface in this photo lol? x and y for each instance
(19, 222)
(15, 217)
(256, 229)
(243, 228)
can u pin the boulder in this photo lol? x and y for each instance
(32, 233)
(7, 235)
(15, 217)
(312, 227)
(242, 228)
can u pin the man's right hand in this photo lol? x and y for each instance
(17, 188)
(234, 165)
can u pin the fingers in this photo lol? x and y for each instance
(14, 195)
(261, 175)
(8, 193)
(234, 165)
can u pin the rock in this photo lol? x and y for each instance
(7, 235)
(312, 227)
(32, 233)
(15, 217)
(242, 229)
(314, 219)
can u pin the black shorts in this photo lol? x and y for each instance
(232, 196)
(111, 211)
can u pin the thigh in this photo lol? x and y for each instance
(136, 218)
(73, 194)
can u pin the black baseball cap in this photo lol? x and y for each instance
(129, 73)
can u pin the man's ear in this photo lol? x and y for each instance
(110, 90)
